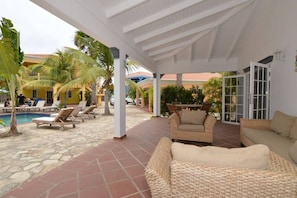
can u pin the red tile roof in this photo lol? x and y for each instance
(192, 76)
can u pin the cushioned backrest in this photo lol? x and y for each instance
(282, 123)
(254, 157)
(193, 117)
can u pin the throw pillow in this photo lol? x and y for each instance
(293, 131)
(253, 157)
(282, 123)
(293, 152)
(193, 117)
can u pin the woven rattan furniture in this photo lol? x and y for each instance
(171, 178)
(254, 131)
(203, 133)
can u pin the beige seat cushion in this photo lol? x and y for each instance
(254, 157)
(279, 144)
(293, 131)
(293, 152)
(282, 123)
(193, 117)
(191, 127)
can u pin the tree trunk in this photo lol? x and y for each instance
(179, 80)
(65, 99)
(106, 100)
(13, 125)
(94, 93)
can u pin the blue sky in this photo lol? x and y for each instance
(40, 31)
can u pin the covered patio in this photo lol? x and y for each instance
(114, 168)
(176, 37)
(192, 36)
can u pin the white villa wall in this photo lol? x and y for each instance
(272, 31)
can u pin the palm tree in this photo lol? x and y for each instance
(65, 70)
(103, 55)
(11, 57)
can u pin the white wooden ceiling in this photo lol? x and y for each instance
(163, 35)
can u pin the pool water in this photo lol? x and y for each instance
(22, 117)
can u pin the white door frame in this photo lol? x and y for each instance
(259, 91)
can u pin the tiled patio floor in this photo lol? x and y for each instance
(113, 169)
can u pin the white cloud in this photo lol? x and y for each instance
(40, 31)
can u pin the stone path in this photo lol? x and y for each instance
(39, 150)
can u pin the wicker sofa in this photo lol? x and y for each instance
(171, 178)
(201, 132)
(279, 134)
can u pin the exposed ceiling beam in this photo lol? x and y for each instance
(179, 36)
(202, 15)
(182, 46)
(212, 43)
(179, 44)
(122, 7)
(193, 31)
(239, 32)
(159, 15)
(163, 56)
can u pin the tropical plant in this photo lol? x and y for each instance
(197, 94)
(132, 88)
(175, 94)
(11, 58)
(213, 92)
(104, 57)
(63, 71)
(2, 123)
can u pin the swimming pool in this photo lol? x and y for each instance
(22, 117)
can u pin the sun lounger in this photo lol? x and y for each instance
(82, 104)
(74, 116)
(19, 108)
(61, 119)
(88, 112)
(55, 106)
(38, 106)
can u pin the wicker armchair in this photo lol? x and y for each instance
(203, 133)
(171, 178)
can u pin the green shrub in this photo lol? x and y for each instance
(175, 94)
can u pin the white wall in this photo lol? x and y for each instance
(275, 30)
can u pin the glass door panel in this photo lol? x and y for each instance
(234, 92)
(259, 79)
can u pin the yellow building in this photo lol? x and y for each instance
(73, 96)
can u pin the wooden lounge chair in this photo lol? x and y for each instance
(61, 119)
(38, 106)
(82, 104)
(74, 116)
(88, 112)
(55, 106)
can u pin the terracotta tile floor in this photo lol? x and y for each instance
(113, 169)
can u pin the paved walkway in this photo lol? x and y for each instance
(39, 150)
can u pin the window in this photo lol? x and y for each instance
(69, 94)
(34, 93)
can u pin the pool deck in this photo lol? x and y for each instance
(39, 150)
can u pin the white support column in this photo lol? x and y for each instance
(119, 95)
(157, 94)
